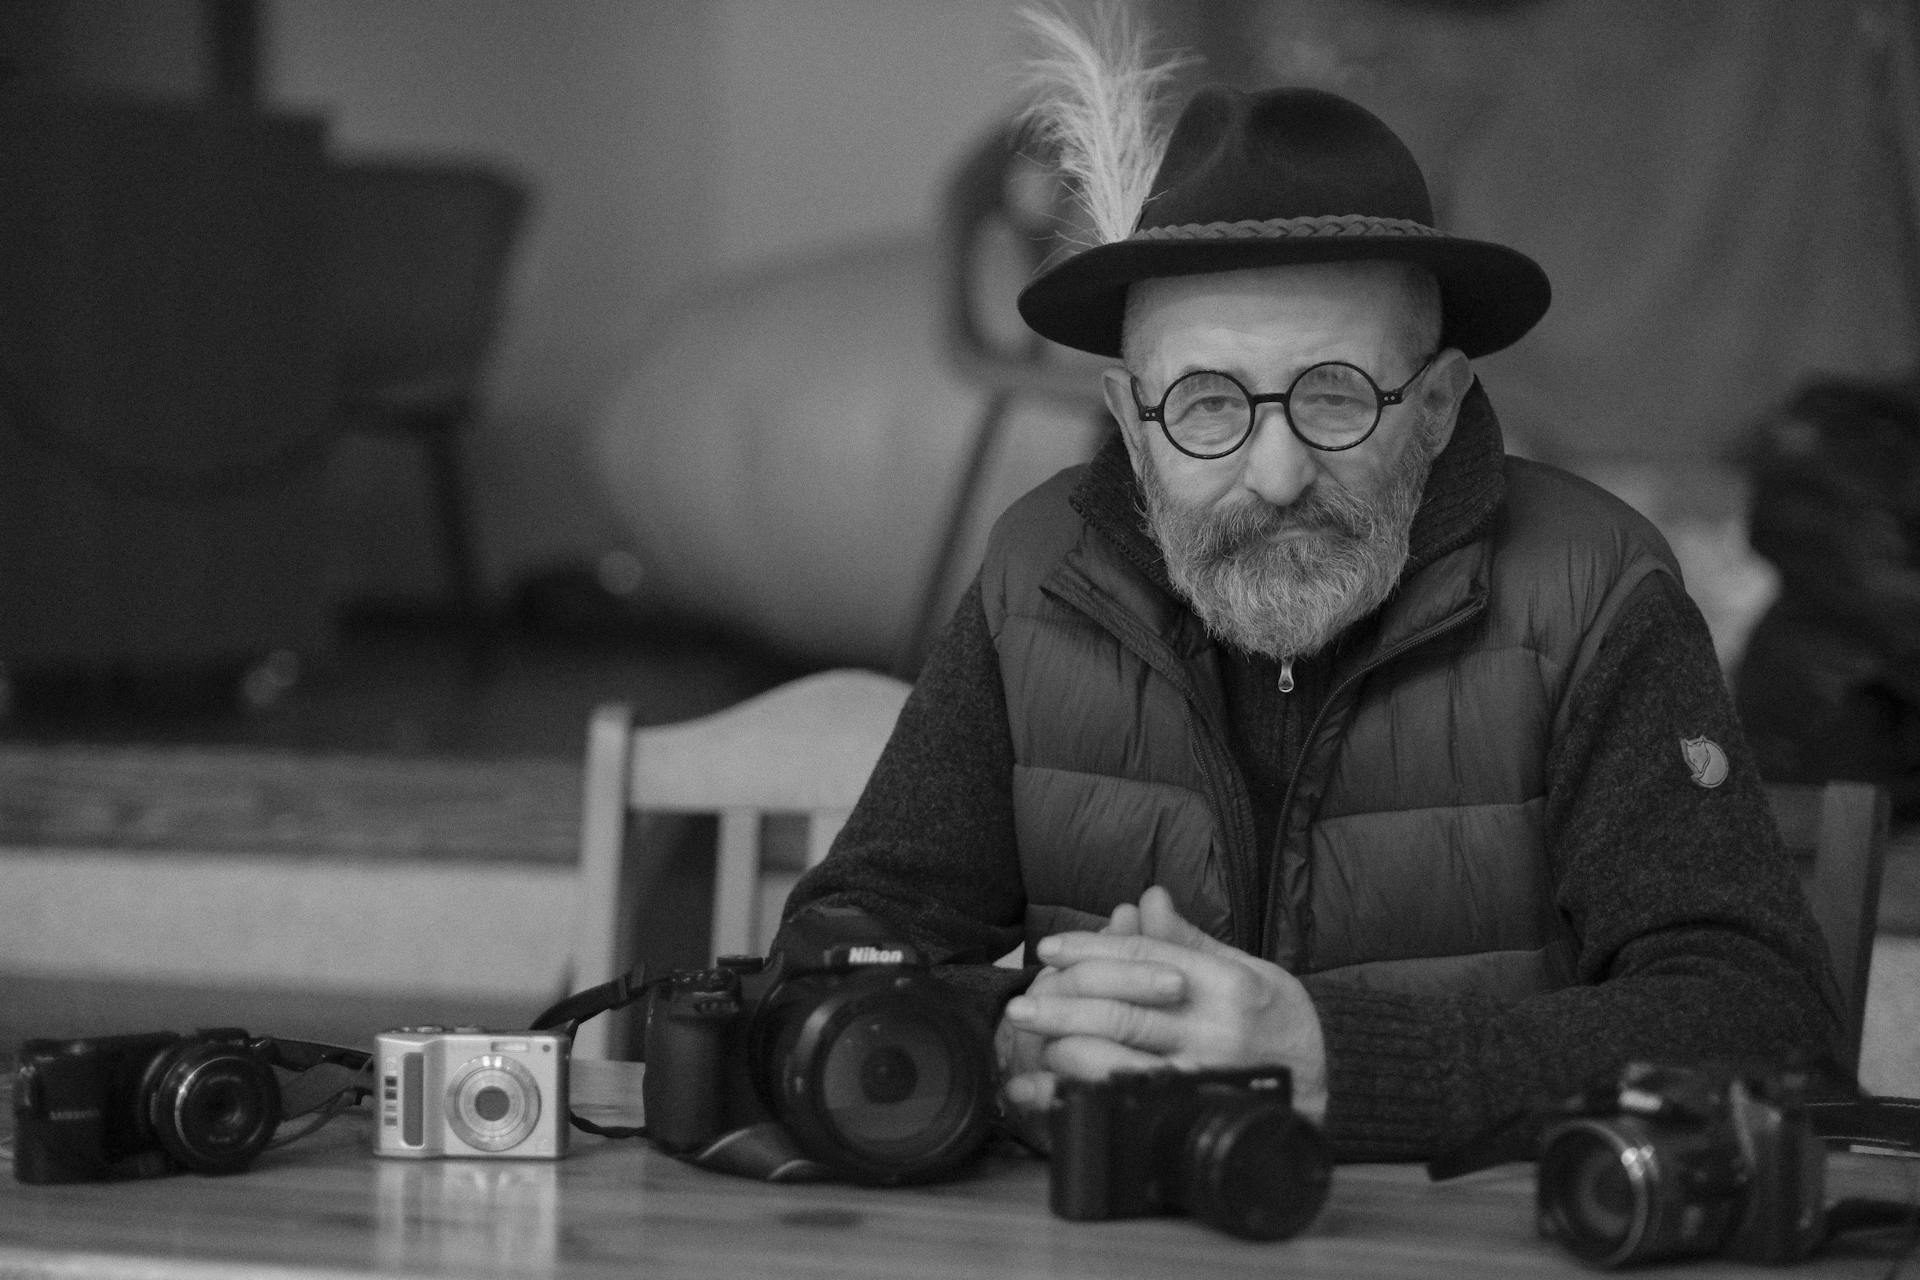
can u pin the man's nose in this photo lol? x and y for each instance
(1276, 465)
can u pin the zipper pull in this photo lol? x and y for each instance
(1286, 675)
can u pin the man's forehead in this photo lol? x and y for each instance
(1314, 310)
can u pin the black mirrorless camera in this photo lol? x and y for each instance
(1672, 1161)
(139, 1106)
(1225, 1147)
(872, 1065)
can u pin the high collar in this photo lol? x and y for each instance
(1463, 492)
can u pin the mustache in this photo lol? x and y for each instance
(1254, 523)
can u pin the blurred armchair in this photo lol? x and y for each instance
(419, 263)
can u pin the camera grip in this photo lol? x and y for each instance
(685, 1047)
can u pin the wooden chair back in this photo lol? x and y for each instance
(804, 749)
(1837, 834)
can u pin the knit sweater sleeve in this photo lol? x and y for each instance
(928, 852)
(1694, 939)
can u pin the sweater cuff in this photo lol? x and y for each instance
(1383, 1072)
(986, 988)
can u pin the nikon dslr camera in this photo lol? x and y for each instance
(870, 1064)
(467, 1091)
(1225, 1147)
(140, 1106)
(1671, 1161)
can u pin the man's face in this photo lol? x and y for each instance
(1279, 546)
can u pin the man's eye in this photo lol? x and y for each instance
(1330, 400)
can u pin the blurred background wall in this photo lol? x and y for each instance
(721, 349)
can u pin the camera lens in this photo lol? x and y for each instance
(1600, 1194)
(882, 1075)
(1625, 1190)
(1593, 1193)
(214, 1106)
(493, 1103)
(888, 1075)
(883, 1080)
(1252, 1168)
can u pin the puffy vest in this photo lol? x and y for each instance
(1411, 852)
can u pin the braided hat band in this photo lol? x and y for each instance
(1339, 224)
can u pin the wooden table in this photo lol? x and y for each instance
(326, 1206)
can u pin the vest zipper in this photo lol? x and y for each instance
(1286, 675)
(1277, 886)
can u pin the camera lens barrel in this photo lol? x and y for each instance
(212, 1105)
(1252, 1168)
(1624, 1189)
(880, 1073)
(493, 1103)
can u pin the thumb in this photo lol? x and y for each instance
(1160, 919)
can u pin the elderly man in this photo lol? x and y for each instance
(1304, 726)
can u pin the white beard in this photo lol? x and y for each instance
(1284, 581)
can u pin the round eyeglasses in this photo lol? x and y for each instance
(1331, 406)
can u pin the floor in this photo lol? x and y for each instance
(406, 684)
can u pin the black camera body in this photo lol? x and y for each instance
(141, 1106)
(1678, 1161)
(871, 1065)
(1225, 1147)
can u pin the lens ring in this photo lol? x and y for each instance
(1585, 1167)
(483, 1084)
(812, 1069)
(1255, 1169)
(214, 1106)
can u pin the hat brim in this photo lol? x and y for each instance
(1490, 295)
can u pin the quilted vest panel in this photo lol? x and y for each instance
(1413, 856)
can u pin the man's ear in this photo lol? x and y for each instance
(1442, 390)
(1118, 386)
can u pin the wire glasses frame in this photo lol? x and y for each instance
(1334, 405)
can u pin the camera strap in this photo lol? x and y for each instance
(1870, 1121)
(566, 1015)
(314, 1075)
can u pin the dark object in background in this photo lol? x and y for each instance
(1224, 1147)
(420, 251)
(1676, 1162)
(1829, 686)
(164, 385)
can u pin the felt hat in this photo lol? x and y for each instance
(1278, 177)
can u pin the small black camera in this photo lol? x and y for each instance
(1225, 1147)
(1672, 1162)
(140, 1106)
(873, 1066)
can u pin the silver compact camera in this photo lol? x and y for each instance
(467, 1091)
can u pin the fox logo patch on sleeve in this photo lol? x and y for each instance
(1705, 761)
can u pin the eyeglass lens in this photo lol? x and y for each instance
(1331, 405)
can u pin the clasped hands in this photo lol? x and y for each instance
(1152, 990)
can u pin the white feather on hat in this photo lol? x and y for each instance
(1097, 102)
